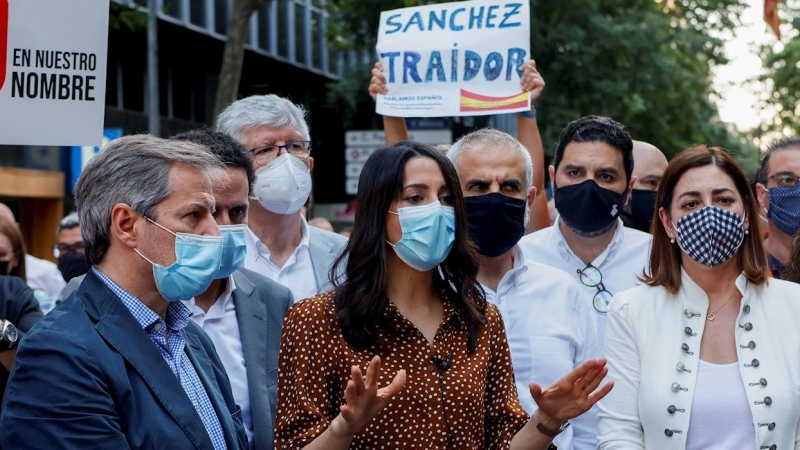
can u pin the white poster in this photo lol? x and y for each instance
(52, 71)
(454, 59)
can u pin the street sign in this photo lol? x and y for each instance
(361, 144)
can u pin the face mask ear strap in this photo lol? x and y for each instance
(160, 226)
(144, 257)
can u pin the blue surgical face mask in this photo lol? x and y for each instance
(428, 235)
(234, 248)
(784, 208)
(197, 260)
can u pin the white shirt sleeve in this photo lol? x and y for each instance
(584, 435)
(618, 422)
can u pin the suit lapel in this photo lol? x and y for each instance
(251, 313)
(120, 329)
(206, 373)
(322, 258)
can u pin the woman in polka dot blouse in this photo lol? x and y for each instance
(410, 311)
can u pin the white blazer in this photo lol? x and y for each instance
(650, 332)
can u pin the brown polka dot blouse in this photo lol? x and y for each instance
(472, 405)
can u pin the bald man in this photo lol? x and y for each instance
(649, 164)
(41, 275)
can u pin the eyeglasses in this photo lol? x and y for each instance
(62, 249)
(784, 179)
(592, 277)
(267, 153)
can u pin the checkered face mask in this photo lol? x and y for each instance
(710, 235)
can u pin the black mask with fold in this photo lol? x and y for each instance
(642, 210)
(72, 265)
(496, 222)
(588, 208)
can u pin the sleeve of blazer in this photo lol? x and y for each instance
(18, 304)
(79, 412)
(618, 423)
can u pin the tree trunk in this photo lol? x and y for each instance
(233, 54)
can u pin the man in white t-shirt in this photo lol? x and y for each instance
(592, 182)
(281, 245)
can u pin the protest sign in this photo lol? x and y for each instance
(52, 71)
(454, 59)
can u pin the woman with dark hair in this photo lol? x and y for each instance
(705, 355)
(409, 307)
(12, 250)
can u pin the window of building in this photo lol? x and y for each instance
(221, 16)
(171, 8)
(300, 25)
(263, 37)
(197, 13)
(283, 27)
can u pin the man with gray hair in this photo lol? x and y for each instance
(120, 362)
(69, 248)
(280, 244)
(549, 326)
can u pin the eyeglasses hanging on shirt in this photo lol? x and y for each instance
(592, 277)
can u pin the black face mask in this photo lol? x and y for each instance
(643, 205)
(588, 208)
(4, 268)
(72, 265)
(496, 222)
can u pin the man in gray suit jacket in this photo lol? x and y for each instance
(241, 311)
(280, 244)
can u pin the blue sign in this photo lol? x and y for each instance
(80, 156)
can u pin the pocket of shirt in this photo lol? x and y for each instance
(551, 359)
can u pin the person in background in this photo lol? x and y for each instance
(779, 196)
(649, 164)
(12, 250)
(19, 311)
(549, 325)
(592, 180)
(241, 311)
(791, 270)
(410, 295)
(41, 275)
(69, 249)
(280, 244)
(527, 129)
(321, 223)
(700, 353)
(119, 363)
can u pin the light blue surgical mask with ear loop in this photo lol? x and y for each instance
(234, 249)
(197, 260)
(428, 235)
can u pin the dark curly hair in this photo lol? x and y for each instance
(230, 152)
(597, 129)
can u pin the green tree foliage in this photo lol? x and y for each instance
(644, 63)
(782, 64)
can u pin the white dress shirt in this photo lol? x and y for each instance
(44, 278)
(550, 332)
(653, 370)
(297, 273)
(222, 327)
(621, 263)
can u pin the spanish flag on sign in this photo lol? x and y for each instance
(472, 102)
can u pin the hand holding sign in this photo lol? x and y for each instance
(532, 81)
(453, 59)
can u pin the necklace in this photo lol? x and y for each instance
(710, 316)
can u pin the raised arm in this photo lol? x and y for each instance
(394, 128)
(528, 133)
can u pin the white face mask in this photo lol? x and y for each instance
(283, 186)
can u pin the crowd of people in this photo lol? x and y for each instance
(193, 305)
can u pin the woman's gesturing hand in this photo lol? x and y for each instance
(363, 398)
